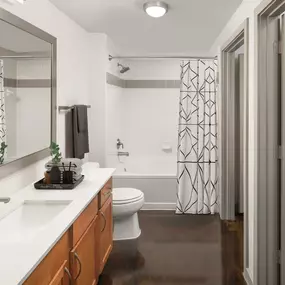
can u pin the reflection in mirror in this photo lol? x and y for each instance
(25, 93)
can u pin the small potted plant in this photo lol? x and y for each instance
(55, 153)
(3, 147)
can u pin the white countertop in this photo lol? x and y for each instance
(19, 258)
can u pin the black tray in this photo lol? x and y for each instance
(41, 186)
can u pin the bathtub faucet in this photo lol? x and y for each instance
(121, 153)
(119, 144)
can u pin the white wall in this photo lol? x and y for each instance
(97, 115)
(112, 66)
(114, 121)
(246, 10)
(152, 69)
(74, 84)
(101, 47)
(145, 118)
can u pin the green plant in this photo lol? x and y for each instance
(55, 153)
(3, 146)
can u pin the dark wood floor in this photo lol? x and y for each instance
(177, 250)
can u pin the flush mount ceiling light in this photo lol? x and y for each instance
(156, 9)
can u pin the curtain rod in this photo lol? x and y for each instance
(24, 56)
(160, 57)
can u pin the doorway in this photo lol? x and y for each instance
(233, 114)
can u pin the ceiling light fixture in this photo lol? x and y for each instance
(156, 9)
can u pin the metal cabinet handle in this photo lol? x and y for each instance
(108, 193)
(80, 264)
(68, 274)
(105, 222)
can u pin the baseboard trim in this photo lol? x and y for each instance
(159, 206)
(246, 277)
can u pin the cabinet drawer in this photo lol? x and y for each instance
(57, 258)
(84, 220)
(105, 192)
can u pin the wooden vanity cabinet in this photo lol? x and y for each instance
(84, 220)
(54, 267)
(81, 254)
(106, 234)
(83, 262)
(63, 276)
(105, 193)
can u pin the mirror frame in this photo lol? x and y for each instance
(18, 164)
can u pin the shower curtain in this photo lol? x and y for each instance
(197, 139)
(2, 105)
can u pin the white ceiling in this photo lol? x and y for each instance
(190, 27)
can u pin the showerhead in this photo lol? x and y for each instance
(123, 69)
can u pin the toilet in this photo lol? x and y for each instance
(126, 204)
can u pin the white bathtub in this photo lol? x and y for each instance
(157, 180)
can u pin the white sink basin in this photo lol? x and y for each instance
(28, 218)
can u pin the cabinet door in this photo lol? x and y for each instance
(97, 234)
(63, 276)
(83, 257)
(106, 235)
(52, 264)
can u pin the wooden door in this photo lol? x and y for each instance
(106, 235)
(83, 257)
(63, 276)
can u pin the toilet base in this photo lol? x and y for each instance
(126, 227)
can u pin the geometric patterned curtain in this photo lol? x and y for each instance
(197, 139)
(2, 105)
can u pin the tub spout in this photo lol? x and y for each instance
(122, 153)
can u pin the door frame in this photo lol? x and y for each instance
(227, 122)
(266, 156)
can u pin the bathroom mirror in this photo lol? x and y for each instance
(27, 93)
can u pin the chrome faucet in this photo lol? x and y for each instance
(119, 144)
(5, 200)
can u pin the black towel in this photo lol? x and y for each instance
(77, 137)
(82, 120)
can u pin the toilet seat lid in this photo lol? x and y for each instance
(126, 195)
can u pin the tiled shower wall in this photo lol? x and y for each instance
(142, 110)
